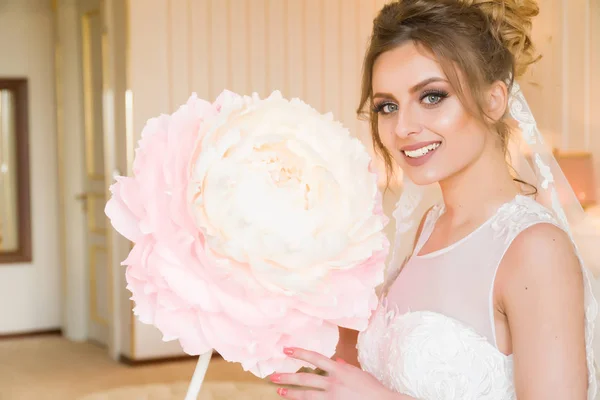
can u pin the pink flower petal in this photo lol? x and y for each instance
(205, 300)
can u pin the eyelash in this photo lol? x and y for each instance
(441, 94)
(378, 108)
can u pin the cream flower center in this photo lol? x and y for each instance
(286, 191)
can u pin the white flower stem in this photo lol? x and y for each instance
(198, 377)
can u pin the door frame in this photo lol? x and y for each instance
(71, 162)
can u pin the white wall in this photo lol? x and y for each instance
(313, 49)
(180, 46)
(30, 293)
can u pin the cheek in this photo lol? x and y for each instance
(462, 132)
(450, 120)
(464, 141)
(463, 135)
(386, 133)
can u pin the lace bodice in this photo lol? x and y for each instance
(433, 335)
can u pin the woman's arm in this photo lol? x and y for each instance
(540, 288)
(346, 348)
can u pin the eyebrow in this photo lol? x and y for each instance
(426, 82)
(413, 89)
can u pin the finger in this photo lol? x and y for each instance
(306, 380)
(314, 358)
(299, 394)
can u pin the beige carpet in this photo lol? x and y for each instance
(53, 368)
(177, 391)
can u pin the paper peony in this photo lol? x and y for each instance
(257, 225)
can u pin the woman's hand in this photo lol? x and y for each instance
(343, 381)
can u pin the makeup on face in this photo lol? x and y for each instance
(419, 153)
(421, 121)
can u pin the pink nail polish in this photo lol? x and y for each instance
(289, 351)
(282, 391)
(339, 360)
(275, 378)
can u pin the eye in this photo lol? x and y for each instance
(385, 108)
(433, 97)
(389, 108)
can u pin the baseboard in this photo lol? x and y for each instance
(160, 360)
(21, 335)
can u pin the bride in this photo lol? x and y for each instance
(492, 301)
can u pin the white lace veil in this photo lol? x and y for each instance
(534, 163)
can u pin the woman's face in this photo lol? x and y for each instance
(421, 120)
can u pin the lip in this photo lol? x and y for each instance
(417, 146)
(417, 162)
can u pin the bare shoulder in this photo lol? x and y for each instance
(540, 272)
(543, 253)
(540, 289)
(540, 280)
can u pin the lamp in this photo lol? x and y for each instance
(578, 168)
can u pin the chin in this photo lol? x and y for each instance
(424, 179)
(426, 174)
(434, 170)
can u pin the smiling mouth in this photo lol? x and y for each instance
(420, 152)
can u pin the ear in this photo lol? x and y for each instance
(497, 100)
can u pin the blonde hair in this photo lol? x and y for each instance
(511, 23)
(486, 40)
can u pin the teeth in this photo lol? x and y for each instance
(422, 151)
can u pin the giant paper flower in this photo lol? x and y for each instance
(257, 225)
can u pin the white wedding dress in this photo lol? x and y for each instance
(433, 335)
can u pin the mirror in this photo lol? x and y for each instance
(15, 224)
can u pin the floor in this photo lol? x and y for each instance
(52, 368)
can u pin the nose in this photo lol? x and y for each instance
(408, 123)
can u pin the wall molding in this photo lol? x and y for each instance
(31, 334)
(322, 65)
